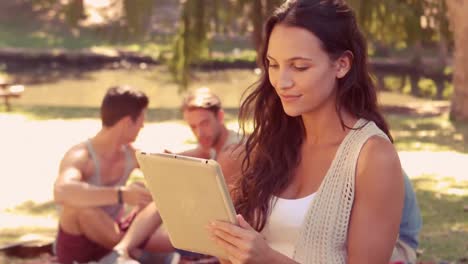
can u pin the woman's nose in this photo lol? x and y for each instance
(284, 80)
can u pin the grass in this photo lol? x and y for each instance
(15, 234)
(429, 133)
(427, 86)
(76, 94)
(444, 235)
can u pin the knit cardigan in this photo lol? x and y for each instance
(324, 231)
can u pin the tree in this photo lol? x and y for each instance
(74, 12)
(191, 40)
(258, 11)
(458, 10)
(201, 18)
(137, 14)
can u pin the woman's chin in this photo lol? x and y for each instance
(292, 112)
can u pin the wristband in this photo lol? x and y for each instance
(119, 196)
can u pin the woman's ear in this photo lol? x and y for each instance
(343, 64)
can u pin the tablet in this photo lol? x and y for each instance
(189, 193)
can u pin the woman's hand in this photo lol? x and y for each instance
(242, 243)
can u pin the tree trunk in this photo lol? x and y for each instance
(458, 10)
(415, 75)
(75, 11)
(257, 21)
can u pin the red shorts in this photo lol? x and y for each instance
(78, 248)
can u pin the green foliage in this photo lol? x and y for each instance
(408, 28)
(137, 14)
(74, 12)
(201, 18)
(191, 40)
(389, 25)
(401, 24)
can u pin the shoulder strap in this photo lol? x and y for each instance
(96, 177)
(128, 166)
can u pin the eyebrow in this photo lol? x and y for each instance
(291, 59)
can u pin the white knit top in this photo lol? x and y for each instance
(325, 228)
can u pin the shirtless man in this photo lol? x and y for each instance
(203, 113)
(90, 187)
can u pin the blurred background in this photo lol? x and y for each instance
(58, 57)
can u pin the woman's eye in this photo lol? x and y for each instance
(300, 68)
(274, 66)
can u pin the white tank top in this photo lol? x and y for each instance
(282, 227)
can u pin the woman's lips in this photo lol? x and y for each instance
(290, 98)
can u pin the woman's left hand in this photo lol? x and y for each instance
(242, 243)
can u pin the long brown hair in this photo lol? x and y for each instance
(272, 151)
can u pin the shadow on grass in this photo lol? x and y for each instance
(428, 133)
(444, 235)
(48, 73)
(14, 234)
(35, 209)
(58, 112)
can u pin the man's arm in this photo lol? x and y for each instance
(145, 224)
(71, 189)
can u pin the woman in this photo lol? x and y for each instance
(321, 181)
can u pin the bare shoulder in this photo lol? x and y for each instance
(230, 160)
(378, 161)
(77, 156)
(233, 151)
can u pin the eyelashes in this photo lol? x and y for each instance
(296, 68)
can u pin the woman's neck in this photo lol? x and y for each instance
(325, 127)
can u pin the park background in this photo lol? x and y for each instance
(67, 53)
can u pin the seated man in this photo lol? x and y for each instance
(203, 113)
(90, 187)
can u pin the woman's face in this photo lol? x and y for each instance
(302, 73)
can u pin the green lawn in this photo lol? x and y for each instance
(429, 133)
(445, 226)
